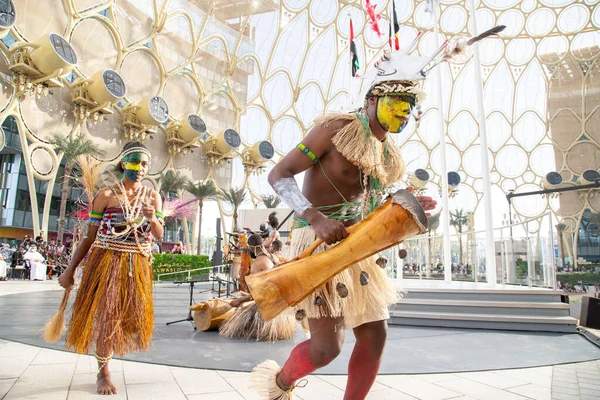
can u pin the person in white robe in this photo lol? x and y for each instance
(3, 267)
(36, 260)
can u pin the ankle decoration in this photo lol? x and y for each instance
(103, 360)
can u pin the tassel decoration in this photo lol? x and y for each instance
(54, 328)
(263, 379)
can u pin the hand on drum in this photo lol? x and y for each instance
(426, 202)
(329, 230)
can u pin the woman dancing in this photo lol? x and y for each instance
(113, 311)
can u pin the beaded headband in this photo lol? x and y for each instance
(405, 88)
(136, 150)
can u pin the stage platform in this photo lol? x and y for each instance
(409, 350)
(415, 283)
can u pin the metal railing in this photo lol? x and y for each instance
(217, 269)
(524, 255)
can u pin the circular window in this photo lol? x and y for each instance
(232, 138)
(114, 83)
(421, 174)
(7, 13)
(453, 178)
(266, 150)
(554, 178)
(63, 48)
(591, 175)
(158, 109)
(197, 123)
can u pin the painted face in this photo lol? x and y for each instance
(136, 166)
(393, 113)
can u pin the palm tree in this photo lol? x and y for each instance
(458, 219)
(171, 182)
(201, 191)
(235, 197)
(560, 228)
(271, 201)
(70, 147)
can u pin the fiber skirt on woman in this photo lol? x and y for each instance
(114, 303)
(247, 323)
(363, 303)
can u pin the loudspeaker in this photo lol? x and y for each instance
(590, 312)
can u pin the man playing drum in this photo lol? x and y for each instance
(349, 160)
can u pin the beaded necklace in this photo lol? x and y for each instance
(132, 215)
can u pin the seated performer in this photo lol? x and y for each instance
(113, 311)
(246, 322)
(349, 160)
(275, 251)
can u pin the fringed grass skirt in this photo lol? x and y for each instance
(364, 303)
(247, 323)
(113, 304)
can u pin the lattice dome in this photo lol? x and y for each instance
(267, 68)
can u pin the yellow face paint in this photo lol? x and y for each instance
(393, 113)
(133, 166)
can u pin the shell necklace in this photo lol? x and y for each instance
(131, 211)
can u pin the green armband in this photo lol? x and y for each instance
(308, 152)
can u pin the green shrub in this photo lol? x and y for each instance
(573, 277)
(164, 263)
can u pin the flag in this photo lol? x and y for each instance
(396, 29)
(353, 54)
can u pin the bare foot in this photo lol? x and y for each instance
(105, 385)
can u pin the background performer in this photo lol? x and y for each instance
(113, 311)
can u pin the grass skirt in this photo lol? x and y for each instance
(364, 303)
(114, 303)
(247, 323)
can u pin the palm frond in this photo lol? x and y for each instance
(202, 190)
(271, 201)
(72, 147)
(172, 182)
(90, 176)
(235, 197)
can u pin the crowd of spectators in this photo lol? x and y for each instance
(54, 256)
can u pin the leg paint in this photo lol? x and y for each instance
(366, 359)
(324, 345)
(297, 366)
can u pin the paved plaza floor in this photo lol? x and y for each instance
(33, 371)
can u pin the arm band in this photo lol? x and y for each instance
(308, 152)
(287, 189)
(95, 218)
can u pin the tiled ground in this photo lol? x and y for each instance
(30, 372)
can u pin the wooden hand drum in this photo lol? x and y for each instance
(399, 218)
(208, 315)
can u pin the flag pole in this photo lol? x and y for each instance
(490, 249)
(442, 130)
(350, 97)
